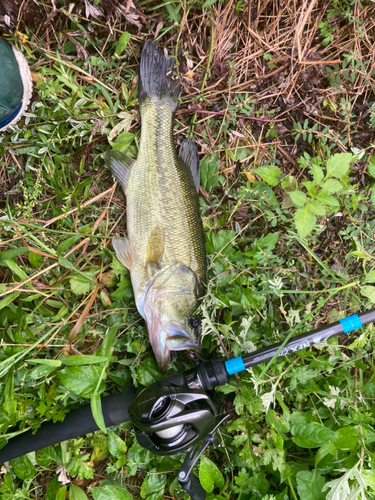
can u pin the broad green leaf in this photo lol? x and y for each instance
(369, 478)
(109, 338)
(242, 153)
(323, 451)
(371, 166)
(81, 380)
(75, 493)
(15, 268)
(209, 475)
(35, 259)
(67, 243)
(23, 468)
(173, 11)
(83, 359)
(124, 292)
(148, 372)
(61, 493)
(347, 438)
(318, 174)
(45, 456)
(123, 141)
(290, 469)
(122, 43)
(40, 371)
(153, 486)
(8, 299)
(14, 252)
(64, 262)
(338, 165)
(310, 484)
(100, 447)
(118, 268)
(267, 243)
(116, 445)
(316, 207)
(311, 435)
(96, 408)
(298, 198)
(80, 287)
(221, 242)
(210, 168)
(369, 292)
(53, 487)
(208, 3)
(49, 362)
(269, 174)
(332, 186)
(327, 199)
(305, 221)
(108, 492)
(373, 194)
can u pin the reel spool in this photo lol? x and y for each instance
(170, 419)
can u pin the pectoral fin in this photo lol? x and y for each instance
(119, 164)
(123, 251)
(155, 249)
(189, 156)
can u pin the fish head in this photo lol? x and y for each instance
(169, 304)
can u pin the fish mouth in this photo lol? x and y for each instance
(171, 337)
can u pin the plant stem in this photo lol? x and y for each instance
(292, 489)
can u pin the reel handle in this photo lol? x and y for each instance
(193, 488)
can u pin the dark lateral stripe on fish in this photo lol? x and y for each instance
(156, 75)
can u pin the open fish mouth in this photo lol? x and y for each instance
(167, 338)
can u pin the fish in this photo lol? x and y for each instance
(165, 245)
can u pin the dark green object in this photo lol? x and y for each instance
(11, 87)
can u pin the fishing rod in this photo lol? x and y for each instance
(178, 413)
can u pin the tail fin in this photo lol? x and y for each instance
(156, 75)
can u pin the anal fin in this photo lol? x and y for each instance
(119, 164)
(123, 251)
(189, 156)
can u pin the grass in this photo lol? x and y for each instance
(280, 100)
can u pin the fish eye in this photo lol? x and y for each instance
(194, 323)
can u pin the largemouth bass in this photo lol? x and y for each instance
(165, 246)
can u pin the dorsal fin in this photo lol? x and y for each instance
(189, 156)
(119, 164)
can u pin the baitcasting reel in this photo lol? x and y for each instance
(171, 417)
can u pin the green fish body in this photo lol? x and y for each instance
(165, 247)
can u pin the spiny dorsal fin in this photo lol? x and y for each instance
(120, 164)
(189, 156)
(123, 251)
(155, 249)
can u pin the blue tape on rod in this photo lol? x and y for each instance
(235, 365)
(351, 323)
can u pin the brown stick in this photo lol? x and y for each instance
(244, 117)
